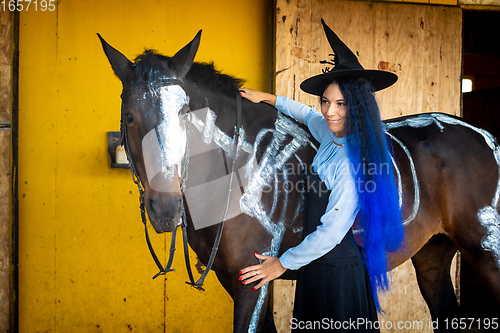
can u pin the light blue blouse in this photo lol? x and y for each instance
(332, 165)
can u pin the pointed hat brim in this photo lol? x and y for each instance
(347, 64)
(379, 79)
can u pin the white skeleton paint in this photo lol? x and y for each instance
(261, 176)
(168, 139)
(172, 136)
(277, 153)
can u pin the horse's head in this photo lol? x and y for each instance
(154, 105)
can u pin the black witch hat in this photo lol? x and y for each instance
(346, 64)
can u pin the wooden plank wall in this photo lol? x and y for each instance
(480, 2)
(5, 112)
(420, 43)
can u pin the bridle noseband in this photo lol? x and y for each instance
(163, 270)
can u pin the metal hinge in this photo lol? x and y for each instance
(5, 125)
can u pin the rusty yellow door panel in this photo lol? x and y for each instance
(84, 263)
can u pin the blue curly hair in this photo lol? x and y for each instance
(370, 155)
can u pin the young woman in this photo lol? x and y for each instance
(336, 278)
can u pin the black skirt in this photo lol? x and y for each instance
(333, 293)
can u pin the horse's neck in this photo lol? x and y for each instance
(254, 116)
(223, 106)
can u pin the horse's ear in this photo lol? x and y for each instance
(182, 61)
(120, 64)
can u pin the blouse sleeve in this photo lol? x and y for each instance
(304, 114)
(339, 217)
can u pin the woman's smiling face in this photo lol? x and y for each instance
(334, 109)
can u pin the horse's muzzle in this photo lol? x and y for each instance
(164, 211)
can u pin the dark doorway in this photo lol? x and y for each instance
(481, 64)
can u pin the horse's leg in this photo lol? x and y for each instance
(485, 266)
(244, 307)
(432, 265)
(233, 255)
(244, 303)
(268, 325)
(468, 235)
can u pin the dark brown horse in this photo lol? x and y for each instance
(179, 121)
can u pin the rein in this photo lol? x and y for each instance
(215, 247)
(137, 181)
(135, 177)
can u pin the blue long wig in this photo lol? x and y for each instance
(369, 153)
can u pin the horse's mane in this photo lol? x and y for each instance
(150, 68)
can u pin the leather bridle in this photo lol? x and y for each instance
(163, 270)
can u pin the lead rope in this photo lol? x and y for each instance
(198, 284)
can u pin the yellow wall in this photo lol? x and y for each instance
(84, 263)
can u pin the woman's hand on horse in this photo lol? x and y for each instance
(269, 269)
(257, 96)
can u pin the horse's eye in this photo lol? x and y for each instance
(129, 119)
(184, 109)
